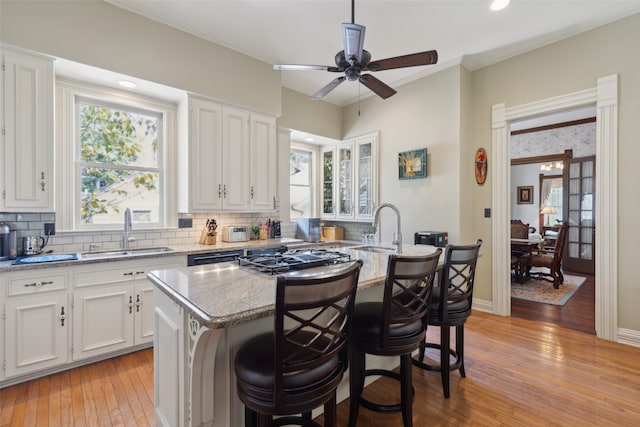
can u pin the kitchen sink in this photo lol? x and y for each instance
(378, 249)
(125, 253)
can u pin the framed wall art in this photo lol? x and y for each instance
(525, 195)
(412, 164)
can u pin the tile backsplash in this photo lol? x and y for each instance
(32, 224)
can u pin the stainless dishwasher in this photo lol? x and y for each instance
(213, 257)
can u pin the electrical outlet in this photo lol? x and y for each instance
(487, 212)
(49, 229)
(185, 223)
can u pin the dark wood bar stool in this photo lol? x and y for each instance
(394, 326)
(298, 367)
(451, 306)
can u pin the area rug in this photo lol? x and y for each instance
(543, 292)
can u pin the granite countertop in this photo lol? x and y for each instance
(221, 295)
(181, 249)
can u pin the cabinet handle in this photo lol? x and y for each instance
(252, 192)
(139, 272)
(128, 274)
(274, 202)
(130, 304)
(219, 191)
(62, 316)
(43, 181)
(37, 284)
(138, 303)
(224, 190)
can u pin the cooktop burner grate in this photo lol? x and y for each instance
(294, 260)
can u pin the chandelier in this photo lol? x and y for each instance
(552, 166)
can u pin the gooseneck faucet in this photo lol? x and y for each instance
(376, 219)
(127, 229)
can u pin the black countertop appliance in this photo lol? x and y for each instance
(434, 238)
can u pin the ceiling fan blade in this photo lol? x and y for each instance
(295, 67)
(429, 57)
(328, 88)
(378, 87)
(353, 38)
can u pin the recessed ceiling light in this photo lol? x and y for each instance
(127, 84)
(499, 4)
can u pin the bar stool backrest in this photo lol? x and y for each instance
(457, 278)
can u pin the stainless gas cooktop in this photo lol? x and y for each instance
(294, 260)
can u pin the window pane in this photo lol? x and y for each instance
(107, 192)
(114, 136)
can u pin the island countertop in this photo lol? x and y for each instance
(226, 294)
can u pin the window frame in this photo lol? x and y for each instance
(314, 197)
(68, 94)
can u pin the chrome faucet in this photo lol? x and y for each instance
(127, 229)
(398, 237)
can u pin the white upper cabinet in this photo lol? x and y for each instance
(263, 169)
(227, 159)
(27, 120)
(350, 179)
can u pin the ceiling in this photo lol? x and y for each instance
(309, 32)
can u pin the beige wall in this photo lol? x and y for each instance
(567, 66)
(102, 35)
(315, 117)
(423, 114)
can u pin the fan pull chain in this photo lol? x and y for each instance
(358, 100)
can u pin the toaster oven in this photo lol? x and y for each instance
(235, 233)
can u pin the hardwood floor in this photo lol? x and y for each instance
(578, 313)
(519, 372)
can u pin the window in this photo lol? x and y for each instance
(111, 149)
(301, 191)
(118, 163)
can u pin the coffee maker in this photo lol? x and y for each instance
(4, 241)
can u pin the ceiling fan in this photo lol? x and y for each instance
(354, 60)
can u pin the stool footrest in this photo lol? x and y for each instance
(379, 407)
(428, 367)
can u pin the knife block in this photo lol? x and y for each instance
(206, 239)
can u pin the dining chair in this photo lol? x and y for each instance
(297, 367)
(547, 259)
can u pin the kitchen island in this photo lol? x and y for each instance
(203, 315)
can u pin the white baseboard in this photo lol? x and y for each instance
(483, 305)
(629, 337)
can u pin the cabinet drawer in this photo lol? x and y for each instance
(122, 271)
(36, 284)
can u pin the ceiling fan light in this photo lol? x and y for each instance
(499, 4)
(353, 41)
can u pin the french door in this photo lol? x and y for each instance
(579, 211)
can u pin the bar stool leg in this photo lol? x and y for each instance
(330, 412)
(460, 348)
(356, 384)
(445, 336)
(406, 391)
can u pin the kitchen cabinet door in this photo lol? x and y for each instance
(37, 332)
(202, 172)
(263, 163)
(235, 159)
(366, 181)
(27, 160)
(102, 319)
(143, 319)
(328, 190)
(346, 202)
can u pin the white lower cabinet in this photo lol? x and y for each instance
(103, 320)
(113, 306)
(37, 322)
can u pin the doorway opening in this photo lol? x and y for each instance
(605, 96)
